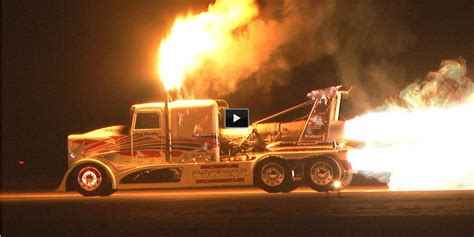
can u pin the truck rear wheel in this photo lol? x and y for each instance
(346, 179)
(321, 174)
(91, 180)
(290, 188)
(273, 175)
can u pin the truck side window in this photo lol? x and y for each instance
(147, 120)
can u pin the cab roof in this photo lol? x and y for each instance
(176, 104)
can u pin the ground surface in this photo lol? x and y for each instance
(359, 211)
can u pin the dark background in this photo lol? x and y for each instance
(73, 66)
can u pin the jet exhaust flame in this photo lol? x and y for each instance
(425, 144)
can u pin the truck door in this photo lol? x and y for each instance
(147, 137)
(194, 132)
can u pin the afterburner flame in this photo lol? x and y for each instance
(421, 147)
(195, 38)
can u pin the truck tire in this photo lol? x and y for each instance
(290, 188)
(273, 175)
(346, 180)
(321, 173)
(91, 180)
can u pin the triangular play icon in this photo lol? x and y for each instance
(235, 118)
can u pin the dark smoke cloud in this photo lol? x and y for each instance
(362, 38)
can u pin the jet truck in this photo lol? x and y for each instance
(184, 144)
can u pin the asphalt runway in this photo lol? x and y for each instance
(356, 211)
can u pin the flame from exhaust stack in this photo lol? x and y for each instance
(195, 38)
(426, 144)
(239, 43)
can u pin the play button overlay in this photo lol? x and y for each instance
(236, 118)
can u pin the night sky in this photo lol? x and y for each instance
(73, 66)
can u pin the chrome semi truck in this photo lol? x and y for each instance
(183, 143)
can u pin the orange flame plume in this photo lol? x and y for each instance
(195, 38)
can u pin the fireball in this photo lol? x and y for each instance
(194, 39)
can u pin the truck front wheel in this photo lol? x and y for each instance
(273, 175)
(91, 180)
(321, 174)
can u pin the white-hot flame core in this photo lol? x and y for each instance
(195, 38)
(424, 148)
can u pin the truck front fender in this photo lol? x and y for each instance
(64, 185)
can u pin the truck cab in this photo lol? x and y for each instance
(194, 130)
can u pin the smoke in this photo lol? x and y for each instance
(448, 86)
(363, 40)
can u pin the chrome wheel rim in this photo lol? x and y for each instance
(322, 173)
(272, 174)
(89, 178)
